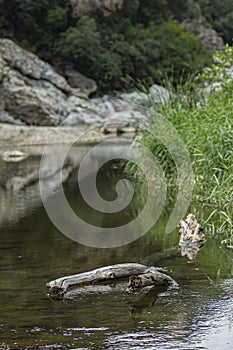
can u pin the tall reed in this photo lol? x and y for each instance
(205, 124)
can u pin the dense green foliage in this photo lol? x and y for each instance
(143, 42)
(206, 127)
(220, 16)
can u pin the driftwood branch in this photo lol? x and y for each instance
(192, 237)
(191, 231)
(60, 286)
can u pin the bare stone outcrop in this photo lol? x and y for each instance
(33, 93)
(36, 102)
(208, 36)
(79, 81)
(30, 65)
(30, 91)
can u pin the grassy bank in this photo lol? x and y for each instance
(206, 127)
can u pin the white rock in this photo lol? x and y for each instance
(136, 98)
(159, 94)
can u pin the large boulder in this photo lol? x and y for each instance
(30, 102)
(79, 81)
(159, 94)
(5, 117)
(29, 65)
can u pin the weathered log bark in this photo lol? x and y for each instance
(148, 279)
(60, 286)
(192, 237)
(190, 230)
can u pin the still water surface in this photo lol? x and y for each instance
(198, 314)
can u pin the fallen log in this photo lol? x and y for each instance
(60, 286)
(148, 279)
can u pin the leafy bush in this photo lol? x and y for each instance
(57, 19)
(80, 44)
(222, 68)
(141, 54)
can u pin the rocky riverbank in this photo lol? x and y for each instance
(33, 93)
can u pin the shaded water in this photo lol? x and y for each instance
(198, 314)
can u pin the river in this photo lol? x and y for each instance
(195, 314)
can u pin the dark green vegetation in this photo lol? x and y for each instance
(205, 124)
(220, 16)
(143, 42)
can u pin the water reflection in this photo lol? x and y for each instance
(209, 327)
(190, 250)
(197, 315)
(19, 181)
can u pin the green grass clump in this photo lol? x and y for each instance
(206, 127)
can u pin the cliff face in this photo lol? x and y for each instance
(83, 7)
(32, 92)
(30, 88)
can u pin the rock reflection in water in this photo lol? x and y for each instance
(19, 181)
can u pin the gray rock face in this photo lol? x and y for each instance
(208, 36)
(32, 103)
(30, 65)
(32, 92)
(79, 81)
(159, 94)
(5, 117)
